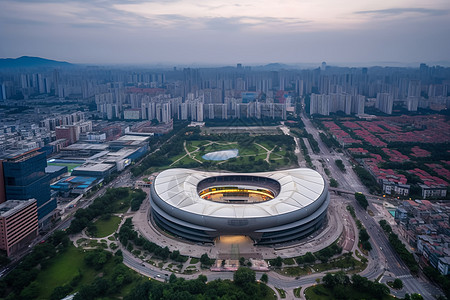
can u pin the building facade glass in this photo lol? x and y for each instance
(25, 178)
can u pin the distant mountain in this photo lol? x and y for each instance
(31, 62)
(274, 67)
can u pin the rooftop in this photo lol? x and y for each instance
(299, 188)
(95, 167)
(10, 207)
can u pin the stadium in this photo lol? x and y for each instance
(270, 207)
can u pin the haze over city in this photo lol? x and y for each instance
(222, 32)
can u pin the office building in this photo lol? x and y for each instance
(18, 224)
(25, 178)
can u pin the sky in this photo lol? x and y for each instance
(219, 32)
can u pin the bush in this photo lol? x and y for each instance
(361, 199)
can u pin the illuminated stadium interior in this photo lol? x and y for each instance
(236, 194)
(238, 189)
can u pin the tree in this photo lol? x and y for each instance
(329, 281)
(416, 297)
(277, 262)
(361, 199)
(340, 165)
(205, 260)
(333, 183)
(30, 292)
(244, 276)
(60, 292)
(241, 261)
(309, 257)
(264, 278)
(398, 284)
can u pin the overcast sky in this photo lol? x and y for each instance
(226, 32)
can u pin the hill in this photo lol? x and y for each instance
(31, 62)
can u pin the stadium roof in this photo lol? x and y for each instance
(299, 188)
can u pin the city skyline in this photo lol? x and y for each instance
(185, 32)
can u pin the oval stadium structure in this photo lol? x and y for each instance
(270, 207)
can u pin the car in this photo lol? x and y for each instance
(159, 276)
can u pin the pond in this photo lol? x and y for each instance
(221, 155)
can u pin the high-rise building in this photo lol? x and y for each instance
(18, 224)
(25, 178)
(2, 184)
(385, 102)
(3, 91)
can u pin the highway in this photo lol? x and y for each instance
(348, 180)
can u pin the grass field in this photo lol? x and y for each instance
(251, 155)
(106, 227)
(295, 271)
(62, 269)
(65, 266)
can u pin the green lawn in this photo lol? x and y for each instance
(65, 266)
(184, 161)
(62, 269)
(122, 205)
(295, 271)
(194, 260)
(190, 147)
(289, 261)
(106, 227)
(340, 263)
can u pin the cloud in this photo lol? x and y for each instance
(399, 11)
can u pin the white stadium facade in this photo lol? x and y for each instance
(270, 207)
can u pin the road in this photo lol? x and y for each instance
(382, 257)
(348, 180)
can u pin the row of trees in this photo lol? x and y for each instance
(137, 197)
(364, 239)
(313, 143)
(340, 165)
(128, 236)
(306, 154)
(106, 204)
(161, 156)
(340, 285)
(330, 142)
(363, 235)
(243, 287)
(362, 200)
(400, 248)
(323, 255)
(367, 179)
